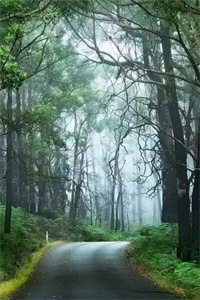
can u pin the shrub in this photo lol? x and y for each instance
(25, 238)
(154, 249)
(91, 233)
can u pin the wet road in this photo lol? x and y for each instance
(88, 271)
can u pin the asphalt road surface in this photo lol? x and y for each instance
(96, 270)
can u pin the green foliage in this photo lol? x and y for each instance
(41, 119)
(42, 114)
(67, 7)
(11, 74)
(155, 249)
(25, 237)
(15, 31)
(82, 231)
(160, 238)
(169, 8)
(50, 16)
(8, 7)
(91, 233)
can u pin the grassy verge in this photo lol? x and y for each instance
(23, 272)
(21, 249)
(152, 254)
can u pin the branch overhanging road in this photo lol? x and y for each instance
(94, 270)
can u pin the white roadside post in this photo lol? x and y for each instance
(47, 236)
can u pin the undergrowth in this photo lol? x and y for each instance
(7, 288)
(15, 248)
(151, 247)
(90, 233)
(154, 249)
(28, 236)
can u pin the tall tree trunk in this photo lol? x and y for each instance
(72, 211)
(75, 175)
(117, 208)
(170, 195)
(159, 200)
(96, 196)
(31, 195)
(114, 178)
(196, 198)
(112, 216)
(140, 211)
(78, 186)
(20, 182)
(9, 190)
(122, 213)
(180, 150)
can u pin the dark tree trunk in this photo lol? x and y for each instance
(31, 206)
(112, 216)
(21, 191)
(170, 195)
(78, 186)
(196, 198)
(140, 210)
(9, 189)
(180, 150)
(41, 196)
(122, 213)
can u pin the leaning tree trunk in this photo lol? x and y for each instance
(180, 150)
(9, 172)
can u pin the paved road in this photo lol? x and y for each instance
(88, 271)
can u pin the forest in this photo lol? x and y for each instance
(99, 116)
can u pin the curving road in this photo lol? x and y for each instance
(88, 271)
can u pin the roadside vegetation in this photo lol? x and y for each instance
(21, 249)
(153, 254)
(152, 250)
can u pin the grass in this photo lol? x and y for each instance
(152, 253)
(23, 272)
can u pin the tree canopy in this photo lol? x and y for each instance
(100, 112)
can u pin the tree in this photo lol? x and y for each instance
(14, 16)
(121, 25)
